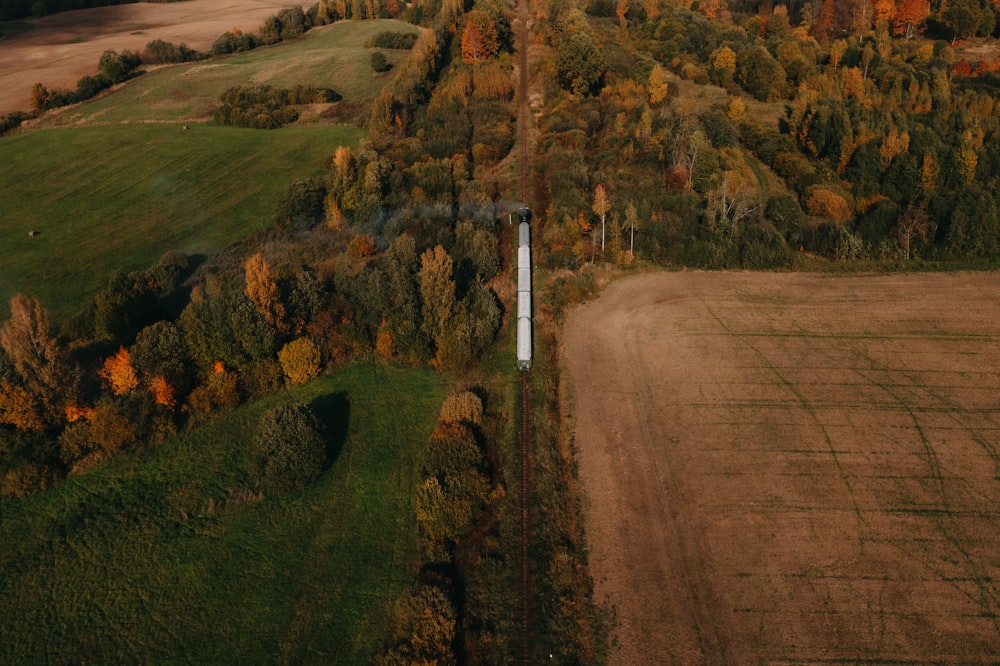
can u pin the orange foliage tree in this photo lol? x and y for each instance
(262, 289)
(910, 14)
(162, 391)
(119, 373)
(18, 408)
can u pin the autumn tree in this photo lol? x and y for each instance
(262, 290)
(40, 361)
(19, 408)
(657, 86)
(437, 292)
(472, 44)
(300, 360)
(119, 373)
(910, 14)
(601, 206)
(162, 392)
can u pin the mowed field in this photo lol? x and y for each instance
(793, 468)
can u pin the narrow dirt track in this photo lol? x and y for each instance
(793, 468)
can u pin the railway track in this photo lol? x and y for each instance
(525, 430)
(524, 517)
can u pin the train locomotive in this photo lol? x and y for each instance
(524, 289)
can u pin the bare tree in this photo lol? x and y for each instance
(915, 221)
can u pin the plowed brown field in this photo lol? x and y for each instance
(61, 48)
(793, 468)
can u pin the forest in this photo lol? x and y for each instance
(828, 135)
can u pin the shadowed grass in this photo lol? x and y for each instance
(165, 556)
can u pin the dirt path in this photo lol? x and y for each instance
(793, 468)
(66, 46)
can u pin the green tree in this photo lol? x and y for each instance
(580, 65)
(759, 73)
(117, 67)
(289, 450)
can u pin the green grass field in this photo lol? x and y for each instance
(331, 56)
(142, 560)
(119, 197)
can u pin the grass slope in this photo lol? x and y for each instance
(142, 560)
(331, 56)
(119, 197)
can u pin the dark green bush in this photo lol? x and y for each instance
(289, 450)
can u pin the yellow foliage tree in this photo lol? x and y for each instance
(968, 153)
(929, 171)
(724, 58)
(119, 373)
(300, 360)
(657, 87)
(893, 145)
(385, 345)
(465, 407)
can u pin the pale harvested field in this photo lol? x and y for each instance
(791, 468)
(66, 46)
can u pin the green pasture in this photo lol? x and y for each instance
(119, 197)
(163, 557)
(332, 56)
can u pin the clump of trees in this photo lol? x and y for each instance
(392, 39)
(266, 107)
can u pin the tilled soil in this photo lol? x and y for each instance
(792, 468)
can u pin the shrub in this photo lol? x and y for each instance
(464, 407)
(289, 450)
(361, 246)
(379, 63)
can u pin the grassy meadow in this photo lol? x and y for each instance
(119, 197)
(332, 56)
(165, 556)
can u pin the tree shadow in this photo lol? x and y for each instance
(334, 412)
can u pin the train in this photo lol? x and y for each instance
(524, 289)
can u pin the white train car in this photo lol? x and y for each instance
(524, 290)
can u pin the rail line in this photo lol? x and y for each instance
(525, 393)
(524, 517)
